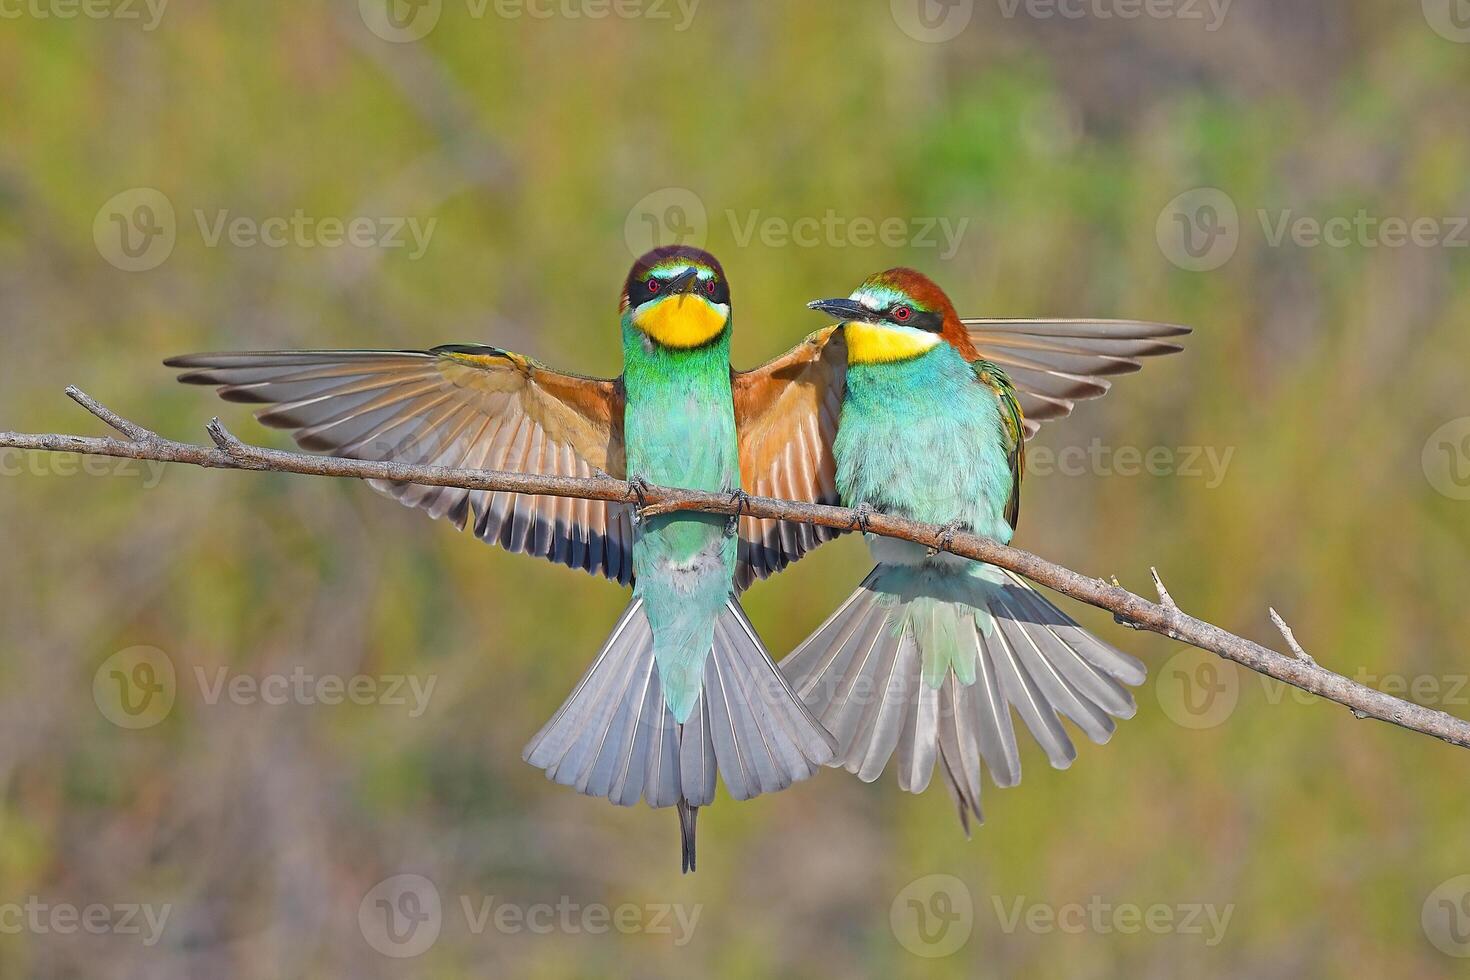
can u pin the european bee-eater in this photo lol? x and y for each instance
(683, 686)
(932, 652)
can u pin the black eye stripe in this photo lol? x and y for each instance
(640, 292)
(917, 319)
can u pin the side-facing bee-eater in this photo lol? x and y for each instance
(683, 686)
(932, 652)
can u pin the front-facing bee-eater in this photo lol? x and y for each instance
(932, 652)
(683, 687)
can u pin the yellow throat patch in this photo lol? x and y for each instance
(873, 343)
(684, 320)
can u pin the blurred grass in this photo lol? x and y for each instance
(1323, 371)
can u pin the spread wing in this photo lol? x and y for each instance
(1054, 364)
(457, 406)
(1014, 420)
(786, 413)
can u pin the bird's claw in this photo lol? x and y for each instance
(863, 512)
(944, 539)
(741, 500)
(640, 488)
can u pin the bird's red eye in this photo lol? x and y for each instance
(902, 313)
(653, 284)
(709, 287)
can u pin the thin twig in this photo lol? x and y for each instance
(226, 440)
(132, 430)
(1165, 618)
(1290, 638)
(1165, 599)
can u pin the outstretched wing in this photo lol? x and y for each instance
(786, 414)
(787, 411)
(457, 406)
(1054, 364)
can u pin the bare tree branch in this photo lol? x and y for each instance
(1165, 617)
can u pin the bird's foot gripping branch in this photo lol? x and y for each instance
(1164, 617)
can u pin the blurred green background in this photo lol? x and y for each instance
(538, 146)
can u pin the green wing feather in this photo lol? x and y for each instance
(994, 378)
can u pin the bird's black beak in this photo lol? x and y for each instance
(844, 310)
(684, 282)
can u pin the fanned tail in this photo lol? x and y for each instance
(615, 736)
(928, 662)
